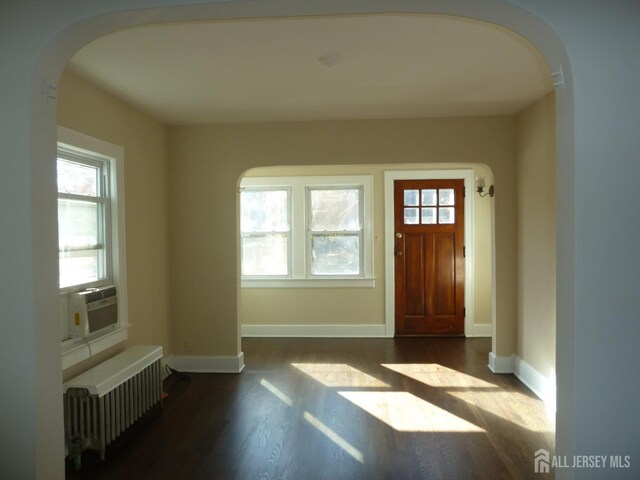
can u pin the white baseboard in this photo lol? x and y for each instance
(480, 330)
(340, 331)
(500, 364)
(208, 364)
(543, 387)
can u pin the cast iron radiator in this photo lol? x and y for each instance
(103, 402)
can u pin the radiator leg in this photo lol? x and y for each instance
(76, 453)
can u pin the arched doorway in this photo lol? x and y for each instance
(40, 147)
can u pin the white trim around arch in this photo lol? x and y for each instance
(52, 35)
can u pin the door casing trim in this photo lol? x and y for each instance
(389, 177)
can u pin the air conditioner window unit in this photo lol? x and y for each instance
(92, 311)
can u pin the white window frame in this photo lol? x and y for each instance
(299, 268)
(74, 351)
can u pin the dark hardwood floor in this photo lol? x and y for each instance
(414, 408)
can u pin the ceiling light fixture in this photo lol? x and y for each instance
(329, 59)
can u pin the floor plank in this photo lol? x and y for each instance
(411, 408)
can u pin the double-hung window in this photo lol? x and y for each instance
(83, 219)
(91, 233)
(306, 231)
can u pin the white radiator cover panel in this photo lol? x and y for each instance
(103, 378)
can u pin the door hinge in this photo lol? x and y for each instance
(464, 312)
(464, 251)
(464, 192)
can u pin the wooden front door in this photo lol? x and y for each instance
(429, 257)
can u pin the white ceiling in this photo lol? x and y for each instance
(388, 66)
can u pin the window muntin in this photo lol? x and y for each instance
(265, 232)
(429, 206)
(83, 220)
(335, 230)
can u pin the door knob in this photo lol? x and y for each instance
(399, 235)
(399, 253)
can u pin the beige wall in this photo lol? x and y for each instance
(208, 161)
(483, 261)
(536, 326)
(87, 109)
(355, 306)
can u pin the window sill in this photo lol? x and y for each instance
(310, 283)
(76, 350)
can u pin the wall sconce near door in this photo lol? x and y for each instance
(480, 187)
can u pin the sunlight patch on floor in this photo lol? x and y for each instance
(276, 391)
(405, 412)
(334, 437)
(339, 375)
(436, 375)
(515, 407)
